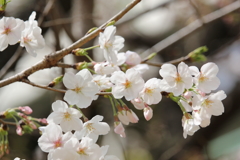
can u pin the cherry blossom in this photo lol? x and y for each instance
(110, 44)
(49, 141)
(206, 79)
(103, 82)
(178, 79)
(128, 85)
(31, 37)
(189, 127)
(151, 93)
(68, 118)
(82, 89)
(132, 58)
(10, 31)
(93, 128)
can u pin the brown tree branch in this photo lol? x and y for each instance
(51, 60)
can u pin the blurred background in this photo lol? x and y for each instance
(172, 28)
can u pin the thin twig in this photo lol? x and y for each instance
(199, 15)
(43, 87)
(194, 26)
(51, 60)
(9, 123)
(46, 11)
(56, 90)
(11, 61)
(175, 61)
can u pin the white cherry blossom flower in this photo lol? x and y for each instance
(206, 79)
(128, 85)
(178, 79)
(105, 68)
(103, 82)
(132, 58)
(151, 93)
(68, 118)
(10, 31)
(141, 68)
(110, 44)
(93, 128)
(52, 138)
(212, 103)
(82, 89)
(31, 37)
(189, 127)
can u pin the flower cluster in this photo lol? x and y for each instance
(14, 30)
(120, 76)
(65, 145)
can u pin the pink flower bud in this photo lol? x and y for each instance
(203, 94)
(19, 130)
(32, 125)
(138, 103)
(187, 95)
(123, 117)
(148, 113)
(133, 118)
(26, 109)
(119, 129)
(43, 121)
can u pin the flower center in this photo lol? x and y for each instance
(26, 39)
(90, 127)
(81, 151)
(57, 143)
(207, 103)
(77, 89)
(6, 31)
(178, 79)
(127, 84)
(148, 91)
(108, 44)
(67, 116)
(202, 78)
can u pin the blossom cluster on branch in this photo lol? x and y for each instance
(69, 134)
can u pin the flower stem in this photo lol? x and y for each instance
(90, 59)
(113, 106)
(89, 48)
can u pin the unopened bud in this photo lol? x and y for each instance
(138, 103)
(56, 81)
(187, 95)
(26, 109)
(197, 55)
(19, 130)
(81, 65)
(80, 52)
(119, 129)
(133, 118)
(148, 113)
(111, 23)
(91, 30)
(43, 121)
